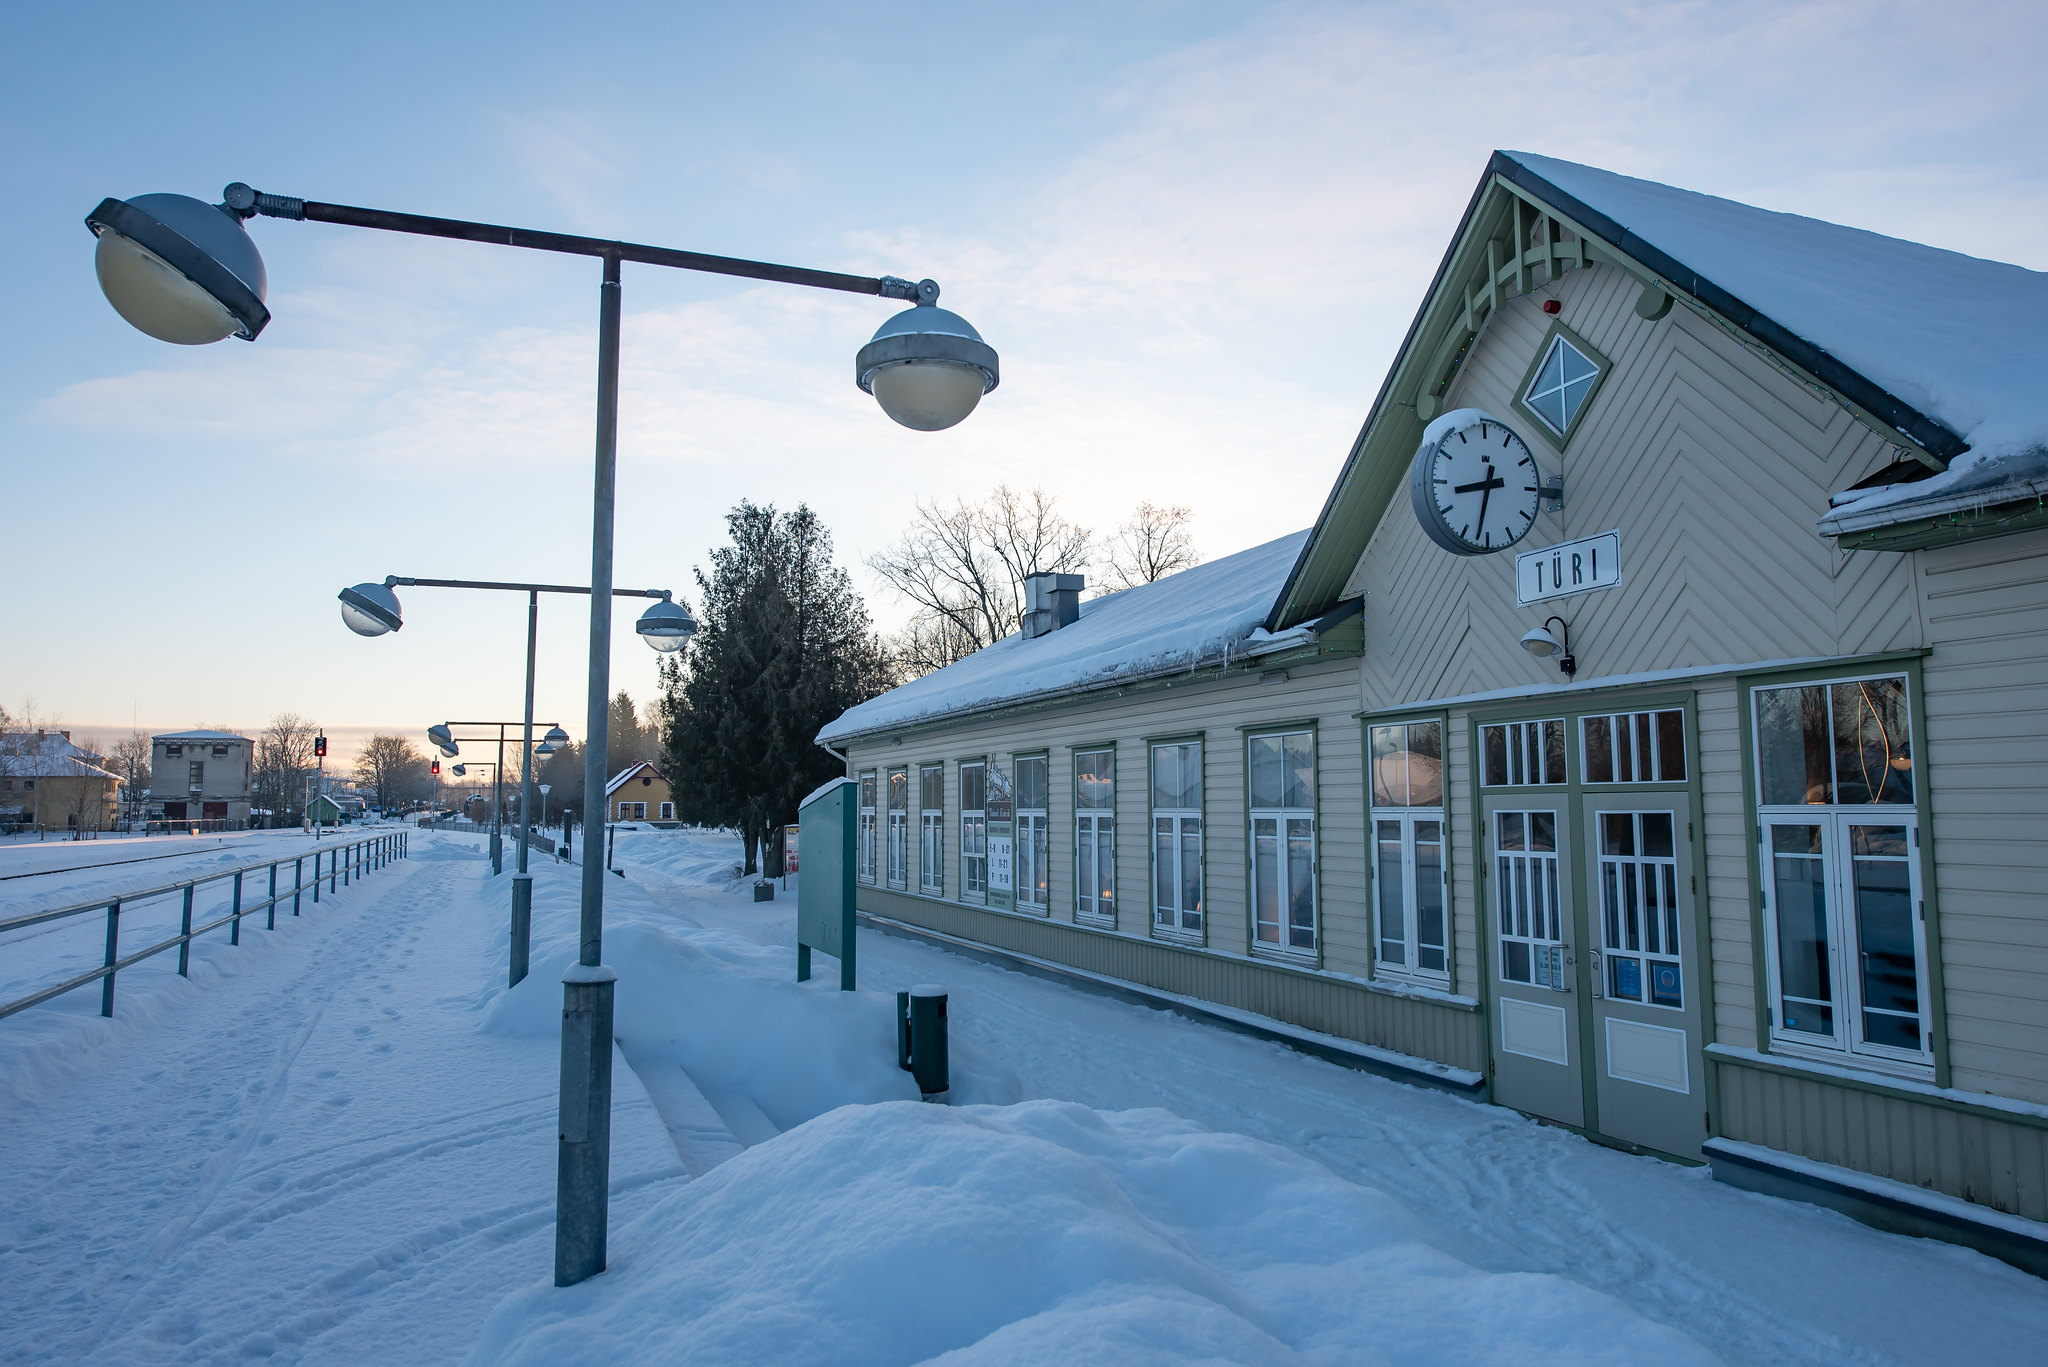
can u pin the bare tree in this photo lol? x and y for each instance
(284, 756)
(963, 568)
(1152, 544)
(130, 761)
(394, 767)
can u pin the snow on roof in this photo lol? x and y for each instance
(1957, 337)
(199, 735)
(1968, 486)
(1187, 619)
(627, 773)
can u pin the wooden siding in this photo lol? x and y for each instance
(1725, 827)
(1986, 754)
(1713, 467)
(1421, 1029)
(1224, 969)
(1994, 1162)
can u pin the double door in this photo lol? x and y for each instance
(1595, 963)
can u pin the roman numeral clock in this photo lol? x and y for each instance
(1474, 484)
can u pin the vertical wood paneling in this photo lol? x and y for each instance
(1726, 831)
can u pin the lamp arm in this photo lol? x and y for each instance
(1564, 633)
(246, 202)
(392, 581)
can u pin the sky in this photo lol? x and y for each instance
(1195, 233)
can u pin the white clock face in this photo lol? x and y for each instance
(1476, 489)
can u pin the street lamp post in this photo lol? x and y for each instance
(186, 271)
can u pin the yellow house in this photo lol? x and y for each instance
(56, 785)
(640, 793)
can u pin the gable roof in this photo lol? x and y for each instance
(199, 735)
(628, 772)
(1929, 347)
(1206, 615)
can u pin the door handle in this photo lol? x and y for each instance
(1599, 985)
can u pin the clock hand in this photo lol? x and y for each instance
(1485, 493)
(1492, 481)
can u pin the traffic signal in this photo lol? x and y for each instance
(319, 747)
(435, 768)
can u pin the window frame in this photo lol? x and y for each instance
(968, 891)
(668, 811)
(1312, 954)
(1564, 779)
(1075, 754)
(1018, 812)
(931, 837)
(1656, 746)
(1410, 972)
(865, 851)
(1931, 1063)
(897, 833)
(1557, 331)
(1177, 934)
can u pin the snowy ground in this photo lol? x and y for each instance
(335, 1144)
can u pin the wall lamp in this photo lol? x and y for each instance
(1539, 642)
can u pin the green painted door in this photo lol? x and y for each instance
(1646, 979)
(1536, 1044)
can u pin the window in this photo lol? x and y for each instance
(1564, 380)
(630, 811)
(931, 835)
(220, 752)
(864, 848)
(1032, 883)
(974, 830)
(1095, 835)
(195, 775)
(1639, 908)
(899, 828)
(1634, 747)
(1283, 838)
(1410, 876)
(174, 752)
(1846, 933)
(668, 811)
(1531, 938)
(1521, 754)
(1177, 838)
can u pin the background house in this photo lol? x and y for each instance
(202, 776)
(640, 793)
(49, 782)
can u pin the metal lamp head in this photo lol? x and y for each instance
(442, 738)
(927, 367)
(370, 610)
(179, 269)
(667, 626)
(1539, 642)
(557, 737)
(459, 770)
(543, 750)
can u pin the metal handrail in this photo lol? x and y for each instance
(363, 856)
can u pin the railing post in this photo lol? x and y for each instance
(113, 953)
(316, 878)
(298, 880)
(185, 936)
(235, 910)
(273, 898)
(333, 870)
(348, 863)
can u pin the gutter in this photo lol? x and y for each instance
(1847, 521)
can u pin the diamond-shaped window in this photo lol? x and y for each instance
(1561, 385)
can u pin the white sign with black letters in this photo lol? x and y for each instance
(1593, 562)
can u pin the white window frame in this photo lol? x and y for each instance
(1277, 847)
(1095, 833)
(1838, 869)
(1529, 391)
(1529, 759)
(1641, 725)
(864, 844)
(898, 830)
(1635, 897)
(931, 835)
(1033, 843)
(668, 811)
(1179, 825)
(1409, 820)
(974, 837)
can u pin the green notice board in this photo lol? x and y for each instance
(825, 867)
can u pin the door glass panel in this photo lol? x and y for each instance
(1799, 893)
(1638, 885)
(1531, 951)
(1890, 967)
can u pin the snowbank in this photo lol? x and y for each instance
(731, 1012)
(1187, 619)
(1955, 336)
(1048, 1232)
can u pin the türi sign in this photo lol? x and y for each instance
(1593, 562)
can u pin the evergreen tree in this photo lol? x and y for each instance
(784, 645)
